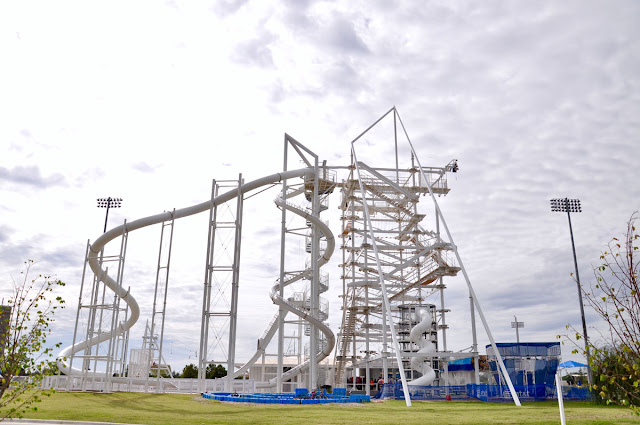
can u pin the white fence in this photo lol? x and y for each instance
(168, 385)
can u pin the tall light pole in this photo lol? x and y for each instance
(573, 205)
(108, 203)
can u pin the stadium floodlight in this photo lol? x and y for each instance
(108, 203)
(573, 206)
(566, 205)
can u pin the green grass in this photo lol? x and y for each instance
(152, 409)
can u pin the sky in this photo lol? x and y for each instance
(149, 101)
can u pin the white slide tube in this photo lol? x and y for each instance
(100, 242)
(426, 348)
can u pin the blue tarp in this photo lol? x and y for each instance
(461, 364)
(484, 392)
(425, 392)
(542, 371)
(571, 363)
(498, 393)
(526, 349)
(576, 393)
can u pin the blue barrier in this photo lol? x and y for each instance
(359, 398)
(576, 393)
(483, 392)
(302, 392)
(340, 392)
(301, 396)
(501, 393)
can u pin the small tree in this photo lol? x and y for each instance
(615, 296)
(190, 371)
(24, 330)
(214, 371)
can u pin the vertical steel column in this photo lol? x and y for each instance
(233, 321)
(442, 306)
(102, 310)
(315, 292)
(75, 330)
(300, 379)
(281, 310)
(366, 298)
(206, 297)
(125, 345)
(354, 360)
(153, 314)
(164, 300)
(474, 336)
(444, 332)
(367, 348)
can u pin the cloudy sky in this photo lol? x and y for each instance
(150, 101)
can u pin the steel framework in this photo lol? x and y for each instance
(221, 283)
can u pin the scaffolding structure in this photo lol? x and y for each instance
(221, 283)
(413, 261)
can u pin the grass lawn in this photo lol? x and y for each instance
(151, 409)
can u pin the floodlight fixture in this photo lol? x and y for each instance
(108, 203)
(566, 205)
(573, 206)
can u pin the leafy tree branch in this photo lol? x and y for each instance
(25, 358)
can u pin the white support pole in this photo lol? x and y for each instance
(281, 310)
(563, 420)
(474, 334)
(75, 330)
(315, 292)
(235, 284)
(206, 297)
(385, 297)
(164, 300)
(516, 399)
(366, 317)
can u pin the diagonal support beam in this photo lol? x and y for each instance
(516, 399)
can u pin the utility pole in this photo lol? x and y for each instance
(517, 325)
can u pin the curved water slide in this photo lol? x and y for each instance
(426, 348)
(271, 329)
(94, 263)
